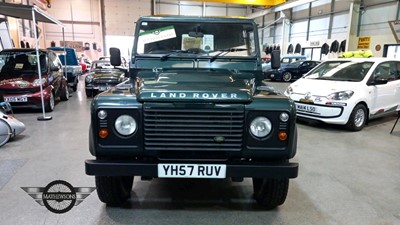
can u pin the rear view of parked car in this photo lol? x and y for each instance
(20, 82)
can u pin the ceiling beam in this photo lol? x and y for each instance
(267, 3)
(288, 5)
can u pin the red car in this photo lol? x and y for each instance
(20, 83)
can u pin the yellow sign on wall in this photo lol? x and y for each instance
(364, 42)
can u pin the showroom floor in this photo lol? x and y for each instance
(344, 178)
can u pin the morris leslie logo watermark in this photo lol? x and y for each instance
(59, 196)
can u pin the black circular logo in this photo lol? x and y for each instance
(59, 196)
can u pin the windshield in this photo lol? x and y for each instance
(342, 72)
(297, 63)
(162, 37)
(19, 63)
(291, 59)
(323, 68)
(101, 65)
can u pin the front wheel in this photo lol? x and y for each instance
(270, 192)
(75, 85)
(114, 190)
(50, 104)
(358, 118)
(65, 93)
(89, 94)
(287, 76)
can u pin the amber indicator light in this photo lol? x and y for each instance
(103, 133)
(282, 135)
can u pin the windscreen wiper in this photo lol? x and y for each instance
(226, 51)
(191, 51)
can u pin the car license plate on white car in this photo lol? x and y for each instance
(306, 108)
(16, 99)
(191, 170)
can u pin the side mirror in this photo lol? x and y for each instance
(115, 56)
(275, 59)
(379, 81)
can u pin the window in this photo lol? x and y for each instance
(389, 71)
(160, 37)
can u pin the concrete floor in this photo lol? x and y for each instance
(344, 178)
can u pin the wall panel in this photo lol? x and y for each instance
(340, 26)
(119, 16)
(319, 28)
(375, 19)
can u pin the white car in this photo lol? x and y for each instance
(348, 91)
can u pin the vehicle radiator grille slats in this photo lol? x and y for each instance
(177, 129)
(20, 91)
(104, 81)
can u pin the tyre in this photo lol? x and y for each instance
(5, 132)
(88, 94)
(65, 93)
(269, 192)
(113, 190)
(50, 104)
(75, 86)
(358, 118)
(287, 76)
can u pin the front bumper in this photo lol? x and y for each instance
(272, 74)
(98, 87)
(141, 168)
(327, 114)
(33, 99)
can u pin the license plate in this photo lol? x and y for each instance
(16, 99)
(191, 170)
(103, 88)
(306, 108)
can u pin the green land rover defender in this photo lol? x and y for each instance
(195, 106)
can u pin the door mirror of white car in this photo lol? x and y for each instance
(378, 81)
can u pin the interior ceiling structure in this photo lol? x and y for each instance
(266, 3)
(25, 12)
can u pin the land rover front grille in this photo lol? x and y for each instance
(193, 129)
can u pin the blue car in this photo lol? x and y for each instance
(291, 71)
(69, 59)
(285, 60)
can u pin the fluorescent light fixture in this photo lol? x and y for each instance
(278, 8)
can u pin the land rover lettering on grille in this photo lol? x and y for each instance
(195, 106)
(194, 95)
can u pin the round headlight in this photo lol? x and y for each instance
(289, 90)
(284, 117)
(260, 127)
(125, 125)
(88, 79)
(102, 114)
